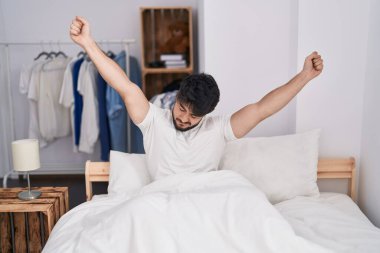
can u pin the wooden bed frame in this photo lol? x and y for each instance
(332, 168)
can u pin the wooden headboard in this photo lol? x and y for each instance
(332, 168)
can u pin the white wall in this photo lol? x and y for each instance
(338, 30)
(250, 48)
(334, 101)
(369, 187)
(47, 20)
(5, 137)
(2, 28)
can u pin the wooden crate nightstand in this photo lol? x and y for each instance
(25, 226)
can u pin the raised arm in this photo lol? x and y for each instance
(249, 116)
(133, 97)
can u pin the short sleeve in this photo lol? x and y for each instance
(148, 120)
(227, 128)
(81, 77)
(24, 79)
(33, 91)
(66, 97)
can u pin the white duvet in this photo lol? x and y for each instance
(332, 220)
(218, 211)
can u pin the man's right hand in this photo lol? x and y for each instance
(80, 32)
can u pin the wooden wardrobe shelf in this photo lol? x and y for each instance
(166, 70)
(159, 25)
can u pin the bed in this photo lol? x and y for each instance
(328, 168)
(220, 211)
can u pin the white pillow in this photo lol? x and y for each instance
(283, 167)
(128, 172)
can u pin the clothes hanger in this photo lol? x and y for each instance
(81, 53)
(43, 53)
(109, 52)
(52, 54)
(84, 56)
(60, 52)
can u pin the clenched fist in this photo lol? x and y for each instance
(313, 65)
(80, 32)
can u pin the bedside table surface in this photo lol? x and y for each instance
(9, 202)
(25, 225)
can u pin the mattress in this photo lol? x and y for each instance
(332, 220)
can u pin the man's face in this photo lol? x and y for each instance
(183, 118)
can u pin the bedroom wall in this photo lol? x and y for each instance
(50, 20)
(4, 104)
(250, 48)
(334, 101)
(369, 187)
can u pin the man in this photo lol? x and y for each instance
(188, 139)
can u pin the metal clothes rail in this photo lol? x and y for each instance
(125, 42)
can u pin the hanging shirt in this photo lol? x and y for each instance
(25, 75)
(117, 113)
(28, 75)
(66, 97)
(70, 98)
(170, 151)
(78, 101)
(165, 100)
(104, 131)
(53, 118)
(90, 120)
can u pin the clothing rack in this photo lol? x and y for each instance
(125, 42)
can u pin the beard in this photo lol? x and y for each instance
(180, 128)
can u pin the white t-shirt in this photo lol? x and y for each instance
(89, 130)
(66, 97)
(53, 118)
(25, 74)
(29, 77)
(170, 151)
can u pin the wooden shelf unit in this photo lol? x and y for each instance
(155, 32)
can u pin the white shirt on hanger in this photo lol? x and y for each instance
(54, 119)
(30, 74)
(66, 97)
(90, 119)
(25, 74)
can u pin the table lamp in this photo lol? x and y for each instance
(26, 157)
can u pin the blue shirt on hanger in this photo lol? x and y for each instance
(78, 101)
(117, 113)
(104, 131)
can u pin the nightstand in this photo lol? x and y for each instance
(25, 226)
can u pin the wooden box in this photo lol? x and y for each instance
(156, 32)
(25, 226)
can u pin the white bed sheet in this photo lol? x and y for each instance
(332, 220)
(218, 211)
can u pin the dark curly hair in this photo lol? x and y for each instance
(200, 92)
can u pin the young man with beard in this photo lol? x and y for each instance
(188, 139)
